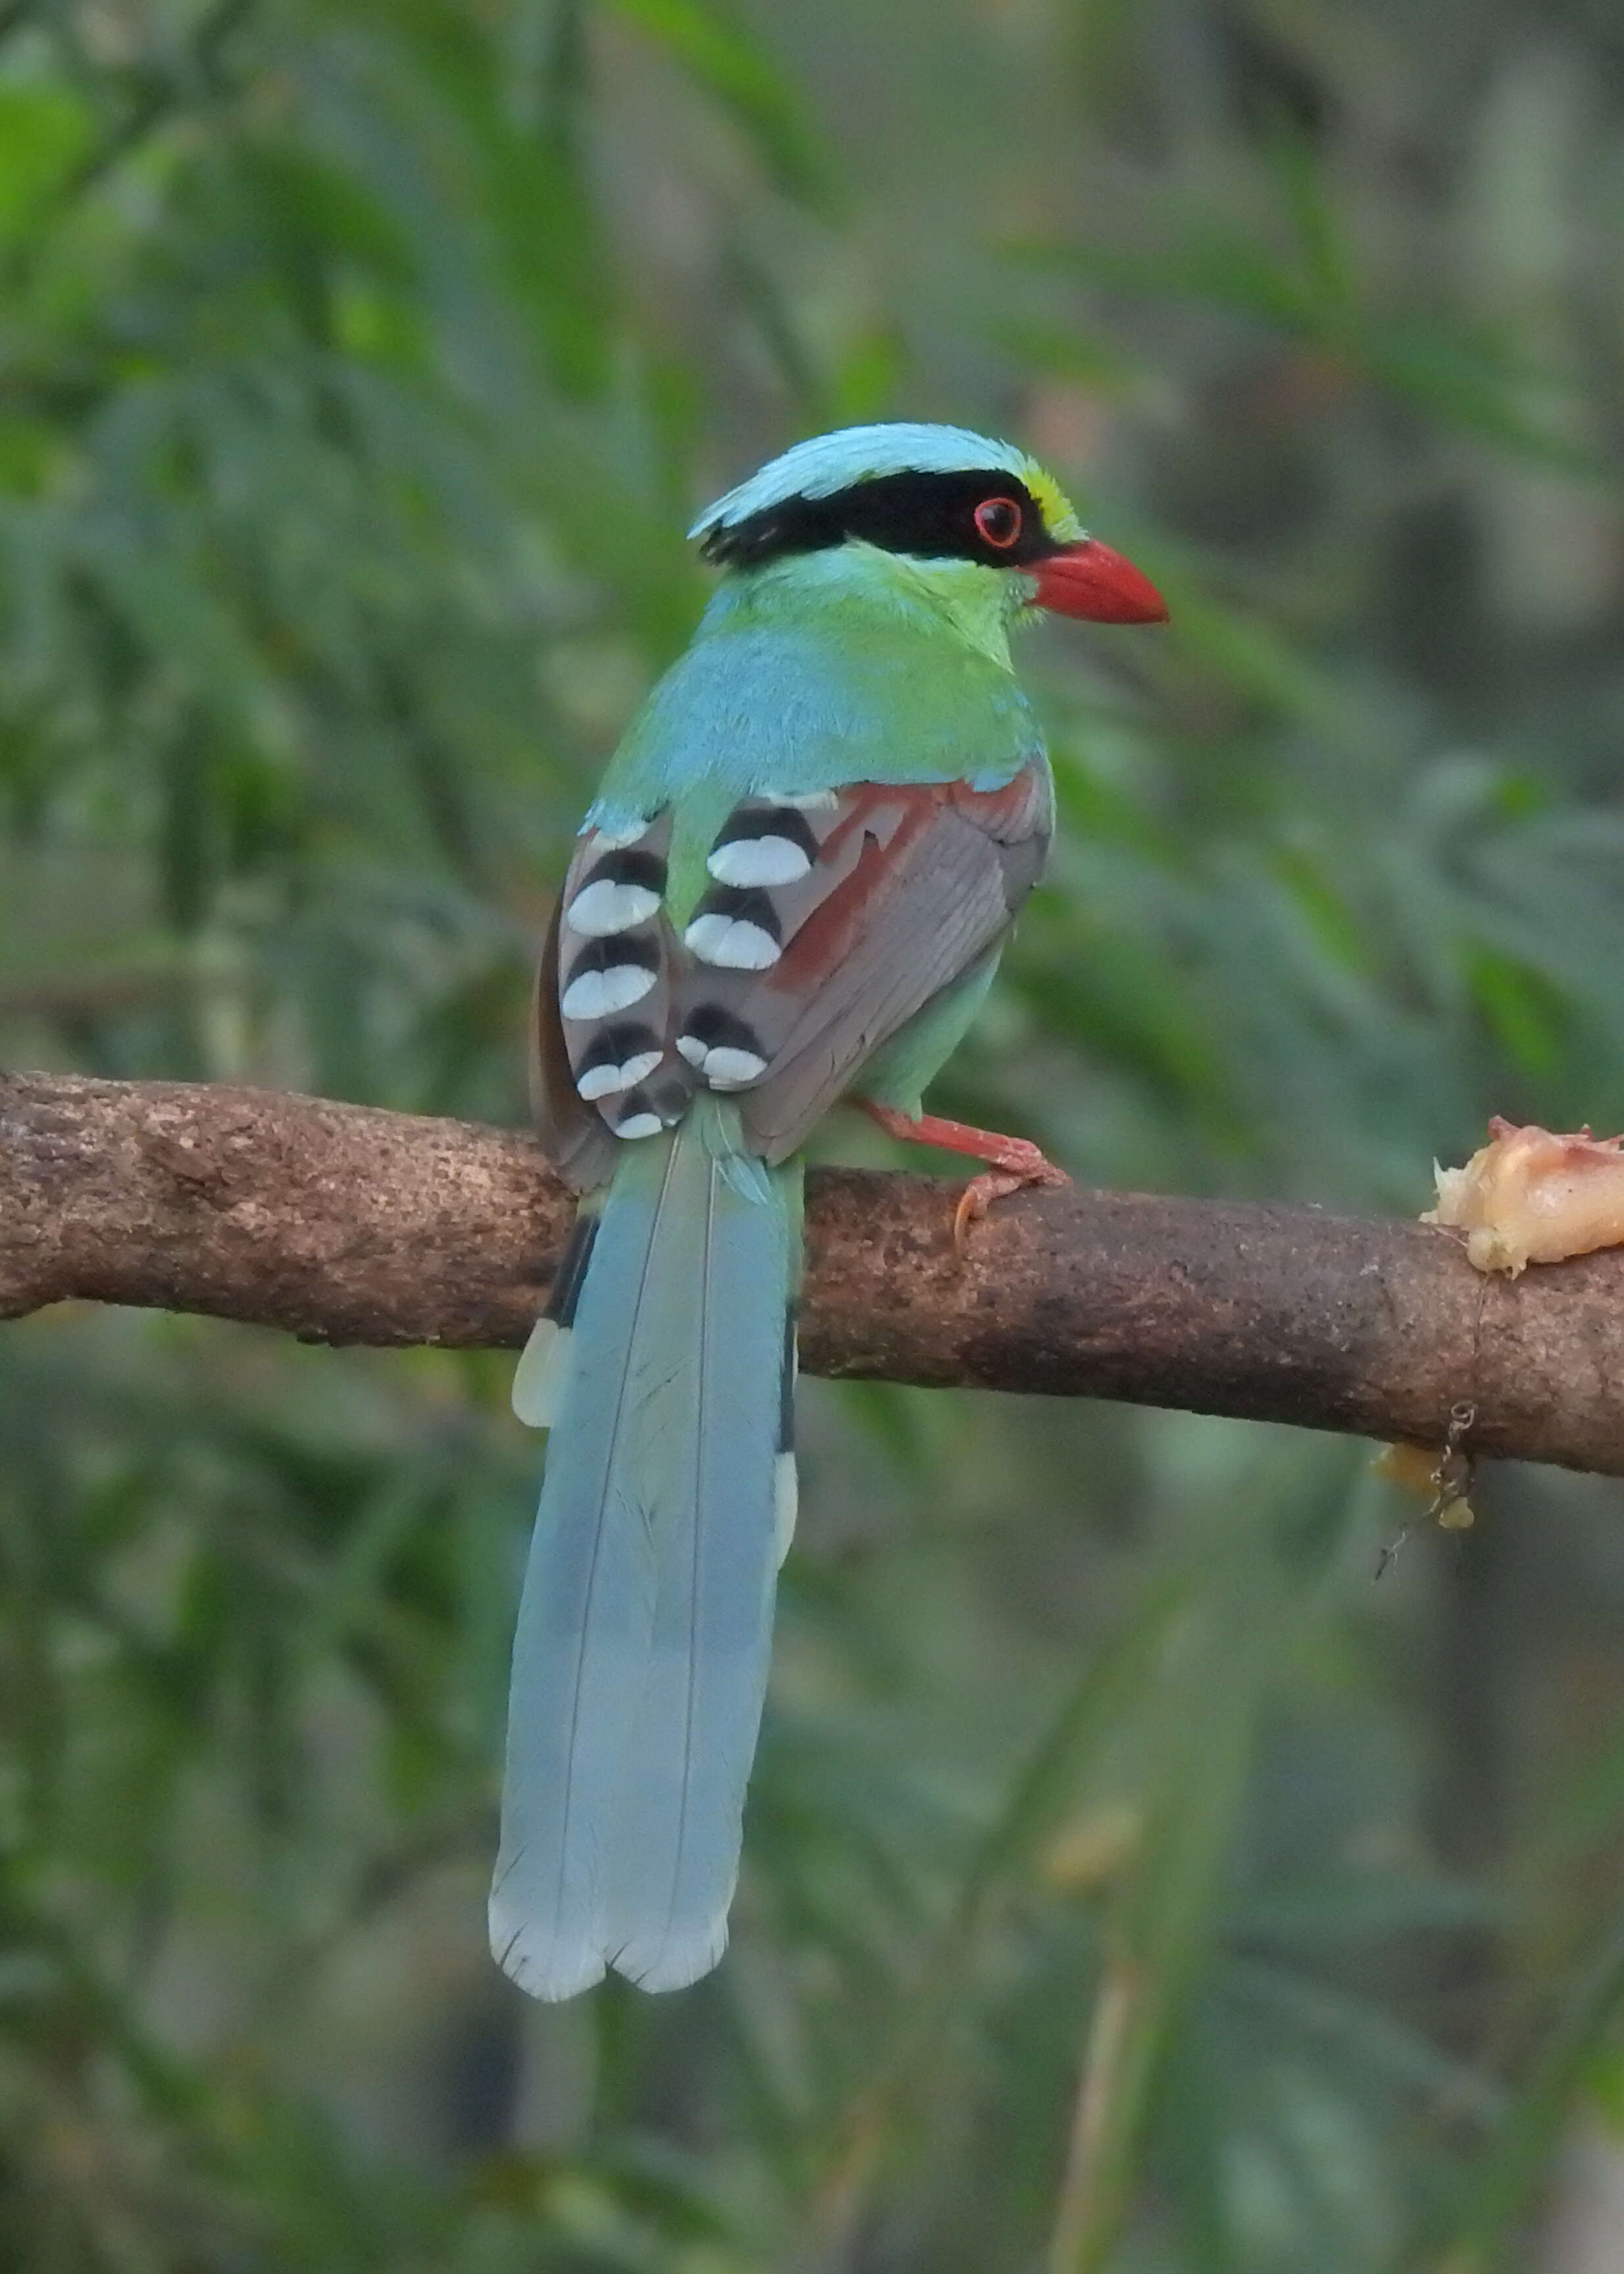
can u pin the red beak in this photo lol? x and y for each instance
(1090, 581)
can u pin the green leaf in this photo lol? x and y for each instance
(45, 133)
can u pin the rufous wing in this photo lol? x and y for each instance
(829, 920)
(798, 968)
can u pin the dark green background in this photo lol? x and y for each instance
(361, 364)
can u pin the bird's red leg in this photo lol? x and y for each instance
(1011, 1162)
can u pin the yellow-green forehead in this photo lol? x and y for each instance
(1059, 515)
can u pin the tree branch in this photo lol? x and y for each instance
(345, 1224)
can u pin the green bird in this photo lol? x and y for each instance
(793, 888)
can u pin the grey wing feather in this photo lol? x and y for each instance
(832, 920)
(910, 886)
(940, 911)
(573, 1136)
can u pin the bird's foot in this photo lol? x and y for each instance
(1012, 1163)
(1033, 1168)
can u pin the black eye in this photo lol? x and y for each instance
(997, 522)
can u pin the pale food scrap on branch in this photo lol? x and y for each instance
(1531, 1197)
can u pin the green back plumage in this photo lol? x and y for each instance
(825, 669)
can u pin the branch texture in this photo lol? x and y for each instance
(344, 1225)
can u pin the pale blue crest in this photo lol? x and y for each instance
(829, 462)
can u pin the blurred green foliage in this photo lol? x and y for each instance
(1129, 1882)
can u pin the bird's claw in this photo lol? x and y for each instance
(1011, 1162)
(1019, 1164)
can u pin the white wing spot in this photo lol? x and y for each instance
(723, 1065)
(731, 943)
(609, 1080)
(605, 908)
(600, 994)
(639, 1124)
(759, 860)
(726, 1069)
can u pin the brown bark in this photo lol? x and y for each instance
(341, 1223)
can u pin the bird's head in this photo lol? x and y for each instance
(930, 494)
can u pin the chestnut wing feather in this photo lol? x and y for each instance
(912, 885)
(832, 920)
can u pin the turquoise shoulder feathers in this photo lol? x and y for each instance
(811, 679)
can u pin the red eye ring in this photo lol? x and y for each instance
(998, 521)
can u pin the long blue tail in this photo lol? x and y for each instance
(641, 1658)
